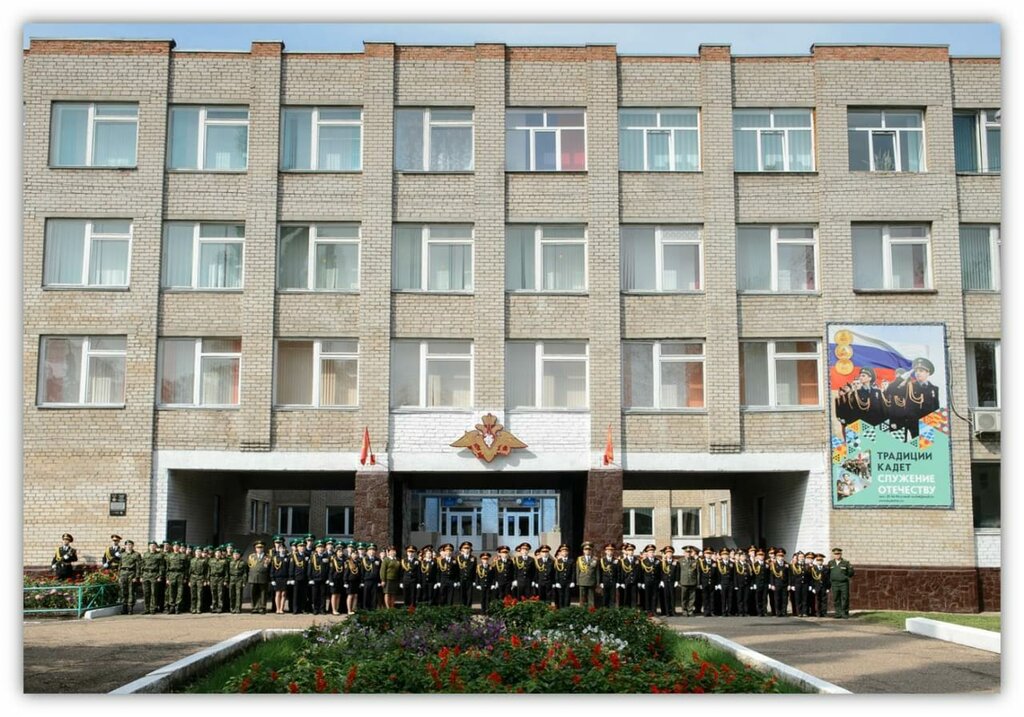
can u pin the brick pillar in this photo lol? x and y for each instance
(602, 517)
(373, 507)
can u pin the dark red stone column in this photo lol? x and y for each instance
(926, 589)
(373, 507)
(602, 517)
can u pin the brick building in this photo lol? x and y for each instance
(236, 261)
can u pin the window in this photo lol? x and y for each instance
(324, 139)
(434, 140)
(891, 257)
(208, 138)
(318, 257)
(662, 374)
(886, 140)
(199, 372)
(93, 134)
(983, 369)
(202, 255)
(778, 140)
(321, 373)
(712, 523)
(661, 258)
(432, 258)
(977, 141)
(665, 140)
(339, 520)
(685, 522)
(546, 374)
(82, 370)
(292, 519)
(545, 140)
(724, 514)
(638, 521)
(979, 257)
(985, 494)
(778, 259)
(546, 258)
(779, 374)
(259, 516)
(83, 252)
(431, 374)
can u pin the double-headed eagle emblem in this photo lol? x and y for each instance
(490, 439)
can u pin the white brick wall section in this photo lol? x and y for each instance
(987, 548)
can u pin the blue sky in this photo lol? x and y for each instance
(631, 38)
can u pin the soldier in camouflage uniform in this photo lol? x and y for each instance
(197, 578)
(154, 568)
(237, 573)
(218, 577)
(176, 563)
(128, 576)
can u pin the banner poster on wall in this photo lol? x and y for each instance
(889, 416)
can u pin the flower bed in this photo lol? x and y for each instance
(517, 647)
(48, 593)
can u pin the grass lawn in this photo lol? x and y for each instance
(898, 619)
(685, 646)
(272, 654)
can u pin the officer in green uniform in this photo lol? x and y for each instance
(154, 569)
(175, 579)
(259, 578)
(197, 578)
(585, 576)
(217, 574)
(839, 573)
(688, 579)
(128, 576)
(237, 573)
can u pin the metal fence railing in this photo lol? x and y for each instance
(68, 599)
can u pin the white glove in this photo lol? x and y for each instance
(330, 582)
(792, 588)
(105, 566)
(535, 585)
(479, 588)
(718, 587)
(771, 587)
(291, 582)
(572, 585)
(273, 583)
(675, 585)
(515, 583)
(661, 584)
(417, 586)
(346, 586)
(457, 584)
(641, 586)
(558, 585)
(310, 582)
(812, 590)
(494, 587)
(619, 585)
(437, 585)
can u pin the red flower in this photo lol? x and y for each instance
(576, 679)
(293, 687)
(509, 601)
(273, 675)
(255, 667)
(516, 642)
(244, 687)
(412, 609)
(592, 609)
(695, 656)
(655, 690)
(494, 678)
(350, 678)
(434, 676)
(321, 683)
(616, 662)
(698, 690)
(458, 649)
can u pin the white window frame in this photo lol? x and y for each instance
(772, 357)
(784, 131)
(289, 509)
(712, 519)
(197, 357)
(259, 516)
(348, 520)
(90, 137)
(83, 371)
(678, 514)
(660, 242)
(314, 140)
(197, 242)
(426, 240)
(424, 357)
(995, 246)
(632, 522)
(314, 239)
(972, 372)
(656, 378)
(723, 514)
(318, 355)
(429, 122)
(558, 138)
(775, 242)
(887, 244)
(671, 130)
(88, 238)
(538, 261)
(982, 124)
(895, 132)
(204, 123)
(540, 357)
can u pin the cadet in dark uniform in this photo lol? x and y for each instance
(629, 574)
(707, 576)
(759, 584)
(668, 581)
(372, 582)
(523, 575)
(259, 578)
(352, 580)
(608, 576)
(466, 563)
(778, 583)
(797, 586)
(447, 576)
(839, 573)
(912, 397)
(649, 579)
(865, 400)
(237, 573)
(563, 568)
(504, 572)
(483, 581)
(544, 573)
(128, 576)
(280, 574)
(153, 572)
(319, 568)
(818, 588)
(585, 576)
(112, 555)
(727, 595)
(741, 584)
(336, 580)
(299, 571)
(410, 576)
(688, 579)
(63, 557)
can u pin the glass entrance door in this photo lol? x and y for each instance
(459, 524)
(516, 525)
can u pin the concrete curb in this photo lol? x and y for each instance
(107, 611)
(778, 669)
(960, 634)
(164, 678)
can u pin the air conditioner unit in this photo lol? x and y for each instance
(987, 420)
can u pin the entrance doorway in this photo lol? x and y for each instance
(459, 524)
(516, 525)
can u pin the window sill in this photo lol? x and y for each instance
(194, 407)
(781, 409)
(578, 172)
(79, 406)
(130, 168)
(344, 292)
(523, 292)
(206, 171)
(420, 172)
(82, 287)
(886, 172)
(530, 409)
(183, 290)
(984, 292)
(661, 171)
(296, 409)
(777, 293)
(960, 173)
(776, 172)
(870, 292)
(421, 292)
(320, 171)
(988, 531)
(664, 411)
(684, 292)
(435, 409)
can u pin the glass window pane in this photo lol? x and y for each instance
(338, 148)
(337, 266)
(902, 119)
(772, 156)
(563, 267)
(638, 118)
(792, 118)
(867, 258)
(545, 158)
(227, 113)
(109, 262)
(219, 382)
(965, 142)
(564, 384)
(566, 119)
(796, 382)
(409, 140)
(643, 521)
(753, 258)
(524, 118)
(638, 259)
(339, 346)
(859, 151)
(910, 151)
(745, 150)
(753, 373)
(674, 348)
(177, 266)
(631, 150)
(184, 138)
(293, 261)
(65, 251)
(405, 373)
(985, 392)
(177, 368)
(883, 149)
(908, 266)
(106, 380)
(520, 374)
(220, 265)
(796, 233)
(457, 348)
(681, 267)
(864, 118)
(294, 373)
(113, 144)
(221, 346)
(336, 114)
(117, 110)
(574, 155)
(450, 267)
(565, 348)
(451, 149)
(517, 150)
(69, 134)
(993, 139)
(337, 231)
(985, 494)
(107, 343)
(801, 157)
(657, 151)
(687, 154)
(226, 147)
(520, 258)
(679, 118)
(796, 267)
(437, 115)
(976, 258)
(448, 383)
(221, 231)
(637, 375)
(111, 226)
(407, 262)
(750, 118)
(60, 372)
(338, 382)
(682, 384)
(563, 231)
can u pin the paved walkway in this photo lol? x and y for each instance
(859, 656)
(100, 655)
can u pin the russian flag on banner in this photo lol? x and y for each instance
(868, 352)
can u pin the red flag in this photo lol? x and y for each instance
(609, 452)
(366, 449)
